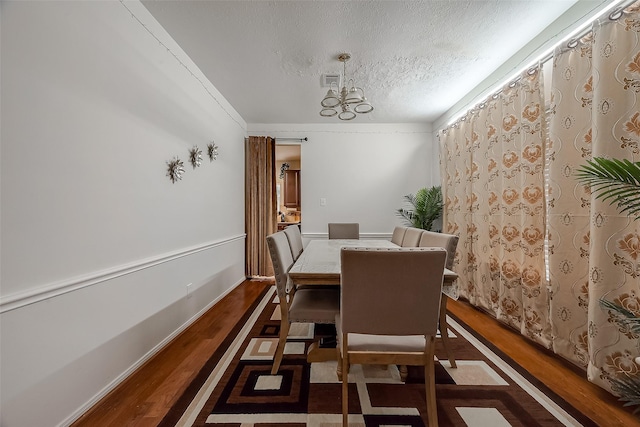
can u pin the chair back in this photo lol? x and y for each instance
(411, 237)
(282, 261)
(295, 240)
(441, 240)
(344, 230)
(371, 304)
(398, 235)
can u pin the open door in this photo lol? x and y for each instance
(288, 185)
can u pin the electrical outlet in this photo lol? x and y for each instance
(189, 290)
(323, 201)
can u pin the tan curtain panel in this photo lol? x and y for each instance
(493, 176)
(456, 190)
(260, 203)
(569, 220)
(594, 252)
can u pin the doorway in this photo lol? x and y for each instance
(288, 189)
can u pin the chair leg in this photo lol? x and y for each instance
(444, 331)
(339, 365)
(430, 385)
(404, 372)
(345, 382)
(282, 341)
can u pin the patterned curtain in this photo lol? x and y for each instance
(455, 168)
(594, 252)
(493, 179)
(570, 136)
(496, 165)
(260, 203)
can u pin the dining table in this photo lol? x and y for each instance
(319, 264)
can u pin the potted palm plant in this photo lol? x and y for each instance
(425, 208)
(618, 181)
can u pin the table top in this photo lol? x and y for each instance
(322, 257)
(319, 263)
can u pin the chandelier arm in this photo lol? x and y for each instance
(344, 72)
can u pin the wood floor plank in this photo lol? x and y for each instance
(145, 397)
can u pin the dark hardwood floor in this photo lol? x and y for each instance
(144, 398)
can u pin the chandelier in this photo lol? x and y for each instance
(354, 96)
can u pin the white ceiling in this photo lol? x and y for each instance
(414, 59)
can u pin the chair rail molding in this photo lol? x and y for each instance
(363, 236)
(32, 296)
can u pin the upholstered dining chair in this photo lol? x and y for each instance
(344, 230)
(411, 237)
(449, 242)
(308, 305)
(441, 240)
(382, 324)
(295, 240)
(398, 235)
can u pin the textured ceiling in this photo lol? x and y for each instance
(414, 59)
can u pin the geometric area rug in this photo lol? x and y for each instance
(235, 387)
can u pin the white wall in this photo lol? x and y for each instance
(362, 170)
(97, 245)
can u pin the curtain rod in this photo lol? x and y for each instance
(569, 43)
(305, 139)
(615, 13)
